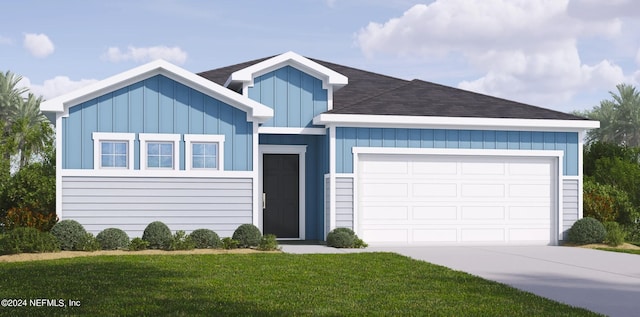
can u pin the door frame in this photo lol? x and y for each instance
(301, 151)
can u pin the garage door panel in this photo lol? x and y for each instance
(435, 212)
(455, 199)
(435, 190)
(483, 212)
(483, 190)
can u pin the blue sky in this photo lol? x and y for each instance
(559, 54)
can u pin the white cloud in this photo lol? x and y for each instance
(39, 45)
(638, 57)
(56, 86)
(525, 49)
(144, 54)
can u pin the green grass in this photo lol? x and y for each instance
(620, 250)
(366, 284)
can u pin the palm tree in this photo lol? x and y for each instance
(30, 129)
(10, 97)
(619, 118)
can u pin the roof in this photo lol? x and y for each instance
(61, 104)
(369, 93)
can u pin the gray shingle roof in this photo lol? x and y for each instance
(375, 94)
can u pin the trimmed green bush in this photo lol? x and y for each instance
(268, 243)
(247, 236)
(158, 235)
(587, 230)
(28, 240)
(70, 234)
(228, 243)
(90, 243)
(340, 239)
(205, 239)
(344, 238)
(181, 241)
(113, 239)
(138, 244)
(615, 235)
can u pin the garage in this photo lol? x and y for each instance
(456, 199)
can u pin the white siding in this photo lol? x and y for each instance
(344, 202)
(131, 203)
(569, 204)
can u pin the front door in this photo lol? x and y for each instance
(280, 183)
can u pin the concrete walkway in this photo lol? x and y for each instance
(600, 281)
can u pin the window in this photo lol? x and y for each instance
(113, 154)
(113, 150)
(159, 151)
(203, 151)
(159, 155)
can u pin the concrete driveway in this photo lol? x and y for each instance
(600, 281)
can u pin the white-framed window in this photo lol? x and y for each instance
(159, 151)
(113, 150)
(204, 152)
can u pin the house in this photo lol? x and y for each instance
(299, 146)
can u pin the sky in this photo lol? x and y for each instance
(564, 55)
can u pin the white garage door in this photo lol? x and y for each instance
(427, 199)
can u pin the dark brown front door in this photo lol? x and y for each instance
(280, 183)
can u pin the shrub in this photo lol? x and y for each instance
(90, 243)
(632, 233)
(587, 230)
(138, 244)
(268, 243)
(158, 235)
(608, 203)
(615, 235)
(70, 234)
(247, 236)
(113, 239)
(24, 217)
(340, 239)
(205, 238)
(26, 239)
(32, 187)
(344, 238)
(228, 243)
(181, 241)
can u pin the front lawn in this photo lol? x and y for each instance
(362, 284)
(632, 251)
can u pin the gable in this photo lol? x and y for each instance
(155, 105)
(295, 97)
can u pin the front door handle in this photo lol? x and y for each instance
(264, 200)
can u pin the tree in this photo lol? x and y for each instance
(619, 118)
(30, 130)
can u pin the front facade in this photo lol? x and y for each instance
(298, 147)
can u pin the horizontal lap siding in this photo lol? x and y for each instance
(347, 138)
(219, 204)
(570, 203)
(295, 97)
(156, 105)
(344, 202)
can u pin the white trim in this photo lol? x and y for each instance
(301, 150)
(332, 179)
(556, 155)
(159, 137)
(153, 173)
(255, 110)
(390, 121)
(189, 139)
(257, 178)
(58, 145)
(98, 137)
(247, 75)
(581, 136)
(276, 130)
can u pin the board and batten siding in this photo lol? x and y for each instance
(570, 208)
(347, 138)
(131, 203)
(156, 105)
(294, 96)
(344, 202)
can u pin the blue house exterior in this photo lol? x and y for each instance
(298, 147)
